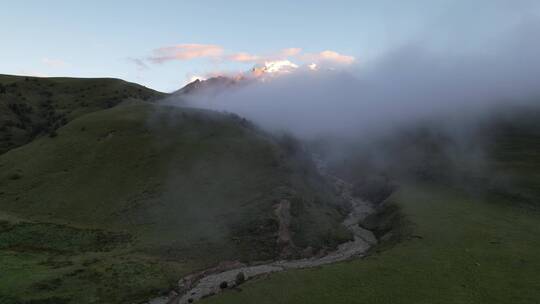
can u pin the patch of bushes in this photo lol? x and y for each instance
(14, 176)
(20, 108)
(373, 189)
(240, 278)
(51, 300)
(4, 299)
(48, 285)
(256, 239)
(58, 238)
(389, 224)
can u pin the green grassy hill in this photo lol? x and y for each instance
(109, 197)
(32, 106)
(123, 202)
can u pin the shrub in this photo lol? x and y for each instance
(15, 176)
(223, 285)
(240, 278)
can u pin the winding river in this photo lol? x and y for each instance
(212, 282)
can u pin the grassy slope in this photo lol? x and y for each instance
(465, 247)
(32, 106)
(470, 251)
(168, 190)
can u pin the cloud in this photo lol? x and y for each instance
(217, 53)
(328, 56)
(409, 84)
(141, 65)
(324, 58)
(53, 63)
(290, 52)
(184, 52)
(252, 58)
(243, 57)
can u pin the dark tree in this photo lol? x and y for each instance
(223, 285)
(240, 278)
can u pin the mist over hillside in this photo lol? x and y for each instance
(417, 110)
(408, 84)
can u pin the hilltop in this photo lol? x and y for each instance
(31, 106)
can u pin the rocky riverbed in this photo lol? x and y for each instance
(214, 281)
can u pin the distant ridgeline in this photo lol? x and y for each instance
(31, 106)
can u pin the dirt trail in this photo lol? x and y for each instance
(214, 281)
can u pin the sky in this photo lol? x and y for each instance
(163, 44)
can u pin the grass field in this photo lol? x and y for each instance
(461, 250)
(123, 202)
(108, 197)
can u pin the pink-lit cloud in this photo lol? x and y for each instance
(328, 56)
(243, 57)
(290, 52)
(186, 52)
(217, 53)
(252, 58)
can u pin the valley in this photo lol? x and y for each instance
(144, 202)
